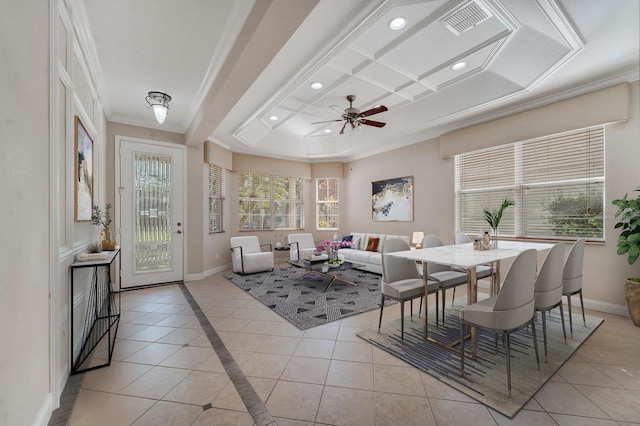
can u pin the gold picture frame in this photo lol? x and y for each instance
(83, 172)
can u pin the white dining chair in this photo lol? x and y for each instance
(401, 281)
(572, 278)
(548, 289)
(446, 276)
(507, 312)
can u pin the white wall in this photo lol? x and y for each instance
(25, 251)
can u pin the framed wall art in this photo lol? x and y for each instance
(392, 200)
(83, 172)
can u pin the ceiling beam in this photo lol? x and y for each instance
(269, 26)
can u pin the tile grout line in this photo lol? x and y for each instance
(250, 398)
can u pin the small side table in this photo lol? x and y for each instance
(102, 315)
(283, 250)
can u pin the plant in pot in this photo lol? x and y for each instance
(628, 216)
(103, 218)
(493, 217)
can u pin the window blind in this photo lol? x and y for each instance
(216, 197)
(556, 181)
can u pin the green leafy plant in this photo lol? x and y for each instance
(493, 217)
(101, 218)
(628, 215)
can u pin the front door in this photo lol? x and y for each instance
(151, 211)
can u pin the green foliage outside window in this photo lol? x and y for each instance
(579, 216)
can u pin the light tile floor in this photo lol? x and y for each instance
(164, 371)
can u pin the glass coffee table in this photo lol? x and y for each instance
(326, 271)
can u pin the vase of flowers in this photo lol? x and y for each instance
(493, 217)
(331, 249)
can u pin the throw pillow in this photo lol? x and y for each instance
(356, 243)
(372, 244)
(347, 238)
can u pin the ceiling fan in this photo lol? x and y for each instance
(354, 117)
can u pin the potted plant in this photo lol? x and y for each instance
(628, 216)
(103, 219)
(493, 217)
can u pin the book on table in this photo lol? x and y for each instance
(317, 259)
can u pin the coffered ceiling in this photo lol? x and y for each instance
(240, 72)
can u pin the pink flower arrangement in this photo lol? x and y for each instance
(331, 246)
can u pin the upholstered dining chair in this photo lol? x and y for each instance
(507, 312)
(548, 289)
(482, 271)
(301, 246)
(401, 281)
(446, 276)
(572, 278)
(247, 256)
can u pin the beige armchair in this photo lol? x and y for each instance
(301, 246)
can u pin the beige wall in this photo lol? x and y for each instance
(432, 196)
(25, 253)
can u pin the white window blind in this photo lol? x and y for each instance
(269, 202)
(216, 198)
(556, 181)
(327, 203)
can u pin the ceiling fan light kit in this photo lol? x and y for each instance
(354, 118)
(159, 102)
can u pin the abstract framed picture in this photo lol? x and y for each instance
(392, 200)
(83, 172)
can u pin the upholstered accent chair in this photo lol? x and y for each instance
(301, 246)
(401, 280)
(507, 312)
(247, 256)
(572, 278)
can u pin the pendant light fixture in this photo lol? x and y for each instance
(160, 103)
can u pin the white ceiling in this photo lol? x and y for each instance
(230, 65)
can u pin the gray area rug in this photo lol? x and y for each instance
(302, 300)
(485, 378)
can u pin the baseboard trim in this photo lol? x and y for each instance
(44, 413)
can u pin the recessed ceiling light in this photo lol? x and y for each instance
(397, 23)
(273, 118)
(458, 66)
(327, 130)
(316, 85)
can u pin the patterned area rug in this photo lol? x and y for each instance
(485, 378)
(302, 300)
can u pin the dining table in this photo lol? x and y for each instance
(465, 257)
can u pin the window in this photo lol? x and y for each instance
(557, 183)
(327, 203)
(216, 197)
(269, 202)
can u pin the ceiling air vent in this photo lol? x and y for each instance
(466, 17)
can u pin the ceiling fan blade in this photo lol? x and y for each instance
(372, 123)
(372, 111)
(328, 121)
(343, 126)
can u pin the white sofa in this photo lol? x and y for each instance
(372, 260)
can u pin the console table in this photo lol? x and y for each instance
(102, 313)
